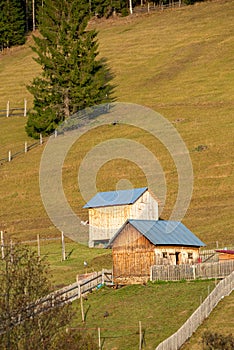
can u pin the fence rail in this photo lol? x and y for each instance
(62, 296)
(191, 272)
(14, 111)
(176, 340)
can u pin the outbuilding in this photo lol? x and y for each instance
(225, 254)
(109, 210)
(139, 244)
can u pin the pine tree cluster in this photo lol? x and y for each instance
(19, 17)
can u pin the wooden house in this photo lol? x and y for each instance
(109, 210)
(139, 244)
(225, 254)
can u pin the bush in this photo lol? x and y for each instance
(216, 341)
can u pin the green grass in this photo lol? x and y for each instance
(220, 321)
(65, 272)
(162, 308)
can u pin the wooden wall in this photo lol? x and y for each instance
(225, 256)
(104, 222)
(133, 255)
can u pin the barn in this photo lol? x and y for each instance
(139, 244)
(109, 210)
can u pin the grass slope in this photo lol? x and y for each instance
(161, 308)
(177, 62)
(220, 321)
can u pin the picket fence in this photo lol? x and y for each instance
(175, 341)
(191, 272)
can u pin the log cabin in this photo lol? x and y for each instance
(139, 244)
(109, 210)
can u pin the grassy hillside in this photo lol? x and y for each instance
(220, 321)
(177, 62)
(161, 308)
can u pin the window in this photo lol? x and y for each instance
(164, 254)
(190, 255)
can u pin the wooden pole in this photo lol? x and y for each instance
(11, 249)
(8, 109)
(140, 336)
(81, 306)
(38, 246)
(25, 107)
(9, 156)
(81, 299)
(2, 245)
(41, 139)
(25, 147)
(33, 14)
(130, 7)
(99, 338)
(63, 247)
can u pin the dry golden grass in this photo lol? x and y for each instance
(177, 62)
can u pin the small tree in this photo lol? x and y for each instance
(72, 76)
(23, 324)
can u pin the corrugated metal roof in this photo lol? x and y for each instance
(121, 197)
(162, 232)
(226, 251)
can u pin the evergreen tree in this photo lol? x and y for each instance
(105, 8)
(12, 23)
(72, 77)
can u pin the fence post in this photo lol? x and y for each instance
(103, 276)
(140, 336)
(8, 109)
(25, 107)
(99, 338)
(78, 286)
(25, 147)
(81, 298)
(2, 245)
(38, 246)
(63, 247)
(41, 139)
(9, 156)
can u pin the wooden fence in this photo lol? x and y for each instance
(26, 147)
(191, 272)
(175, 341)
(62, 296)
(14, 111)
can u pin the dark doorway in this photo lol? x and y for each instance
(178, 256)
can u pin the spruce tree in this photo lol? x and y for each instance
(72, 77)
(12, 23)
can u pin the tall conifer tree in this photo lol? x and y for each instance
(72, 77)
(12, 23)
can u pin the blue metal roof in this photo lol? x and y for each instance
(162, 232)
(121, 197)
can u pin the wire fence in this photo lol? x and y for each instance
(175, 341)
